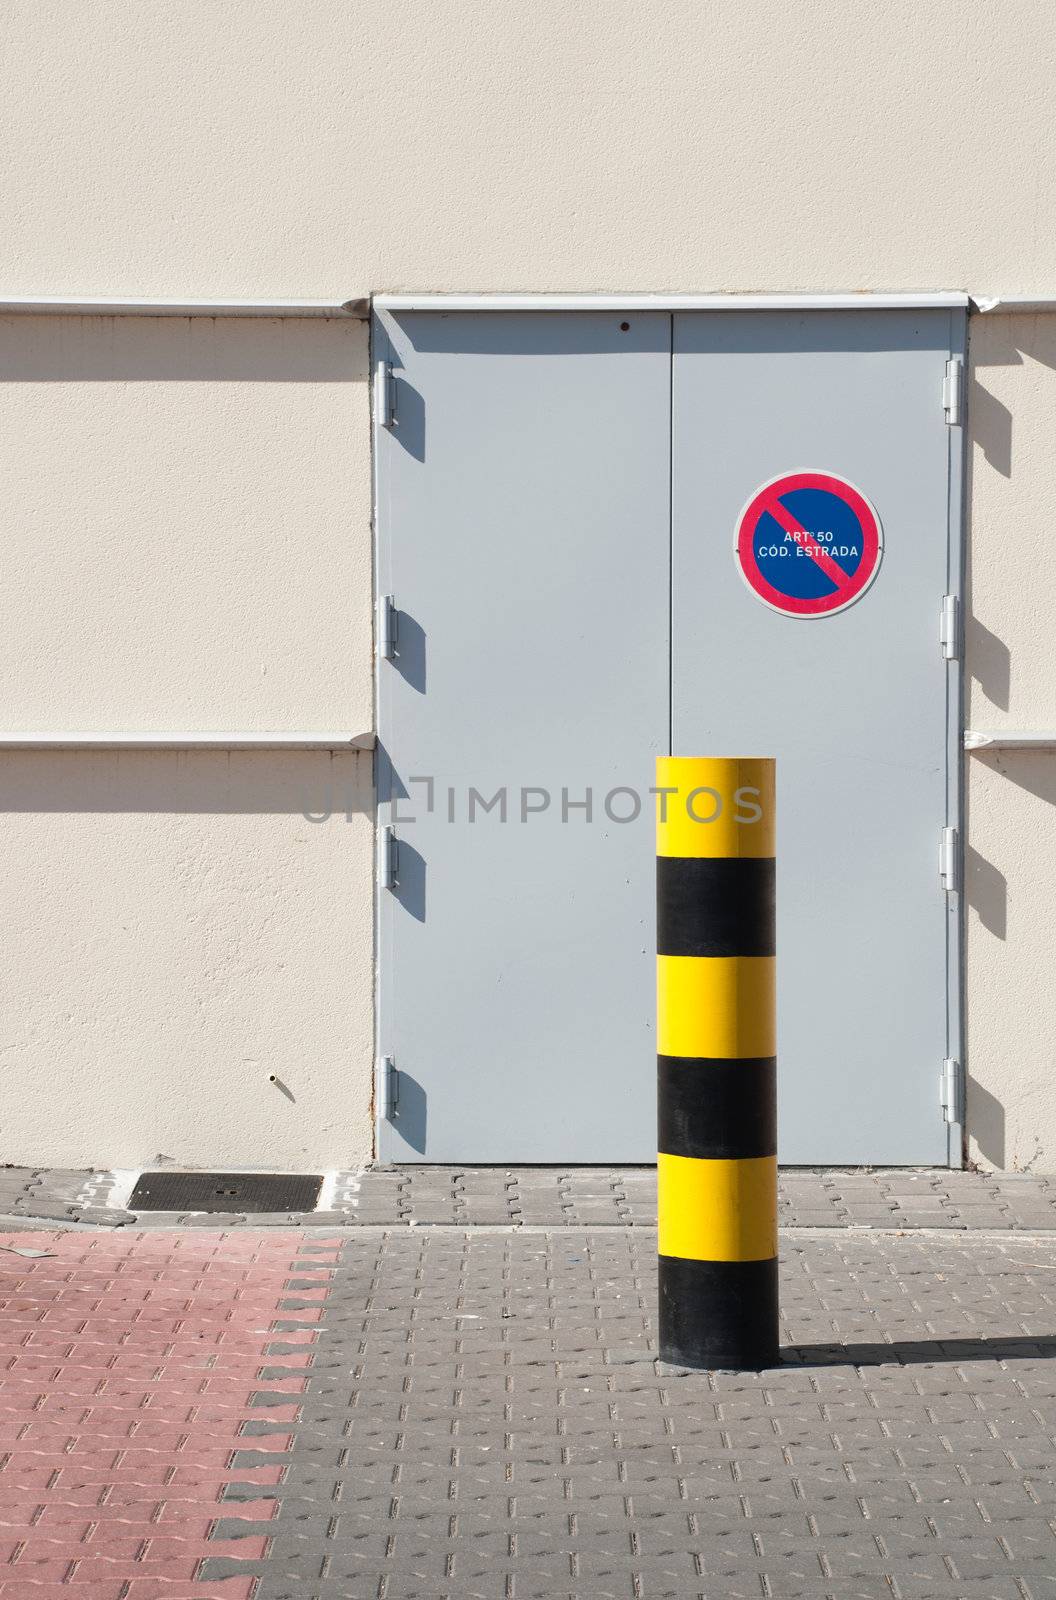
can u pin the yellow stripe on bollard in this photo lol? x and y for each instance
(714, 806)
(715, 1005)
(718, 1210)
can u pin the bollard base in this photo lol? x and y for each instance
(718, 1314)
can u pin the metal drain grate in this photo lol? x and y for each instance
(226, 1191)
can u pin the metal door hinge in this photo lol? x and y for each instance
(386, 1088)
(953, 391)
(385, 631)
(385, 394)
(948, 860)
(388, 858)
(950, 628)
(952, 1093)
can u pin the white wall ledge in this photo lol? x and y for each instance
(357, 308)
(949, 298)
(979, 739)
(187, 741)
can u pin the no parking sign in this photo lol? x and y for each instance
(808, 543)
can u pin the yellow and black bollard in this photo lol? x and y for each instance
(716, 1063)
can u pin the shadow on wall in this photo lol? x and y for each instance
(1002, 341)
(1032, 770)
(319, 785)
(997, 341)
(97, 349)
(986, 1123)
(989, 662)
(986, 891)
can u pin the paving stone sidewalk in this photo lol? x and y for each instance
(459, 1412)
(484, 1416)
(562, 1196)
(129, 1363)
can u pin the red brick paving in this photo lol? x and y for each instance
(127, 1362)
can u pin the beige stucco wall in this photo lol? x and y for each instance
(1011, 857)
(185, 516)
(178, 932)
(185, 510)
(337, 146)
(185, 506)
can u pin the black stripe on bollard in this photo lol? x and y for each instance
(725, 1110)
(714, 906)
(718, 1313)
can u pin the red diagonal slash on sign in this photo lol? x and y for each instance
(821, 557)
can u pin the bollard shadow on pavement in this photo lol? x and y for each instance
(914, 1352)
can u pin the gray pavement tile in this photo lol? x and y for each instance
(107, 1216)
(242, 1528)
(803, 1218)
(254, 1428)
(50, 1211)
(215, 1568)
(235, 1490)
(243, 1459)
(929, 1219)
(447, 1449)
(17, 1224)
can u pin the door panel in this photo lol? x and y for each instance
(523, 516)
(853, 705)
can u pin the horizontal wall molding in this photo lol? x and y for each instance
(55, 305)
(952, 299)
(980, 739)
(186, 741)
(358, 307)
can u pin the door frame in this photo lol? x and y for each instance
(956, 547)
(958, 304)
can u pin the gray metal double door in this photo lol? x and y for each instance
(557, 499)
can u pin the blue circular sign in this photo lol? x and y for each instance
(808, 543)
